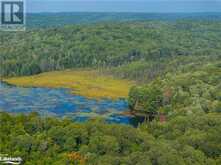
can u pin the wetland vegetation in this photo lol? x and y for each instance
(161, 67)
(88, 83)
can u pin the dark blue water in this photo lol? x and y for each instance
(61, 103)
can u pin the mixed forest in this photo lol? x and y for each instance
(176, 67)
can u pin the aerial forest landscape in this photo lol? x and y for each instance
(112, 88)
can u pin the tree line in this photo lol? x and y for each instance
(121, 47)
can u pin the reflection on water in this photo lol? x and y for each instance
(60, 103)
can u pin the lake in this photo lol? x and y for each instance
(61, 103)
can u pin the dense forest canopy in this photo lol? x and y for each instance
(177, 69)
(184, 140)
(137, 45)
(184, 92)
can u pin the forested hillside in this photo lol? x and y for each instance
(138, 45)
(177, 73)
(192, 89)
(184, 140)
(60, 19)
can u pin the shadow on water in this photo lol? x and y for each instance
(136, 120)
(61, 103)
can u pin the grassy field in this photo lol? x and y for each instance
(86, 83)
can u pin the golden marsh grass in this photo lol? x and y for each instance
(88, 83)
